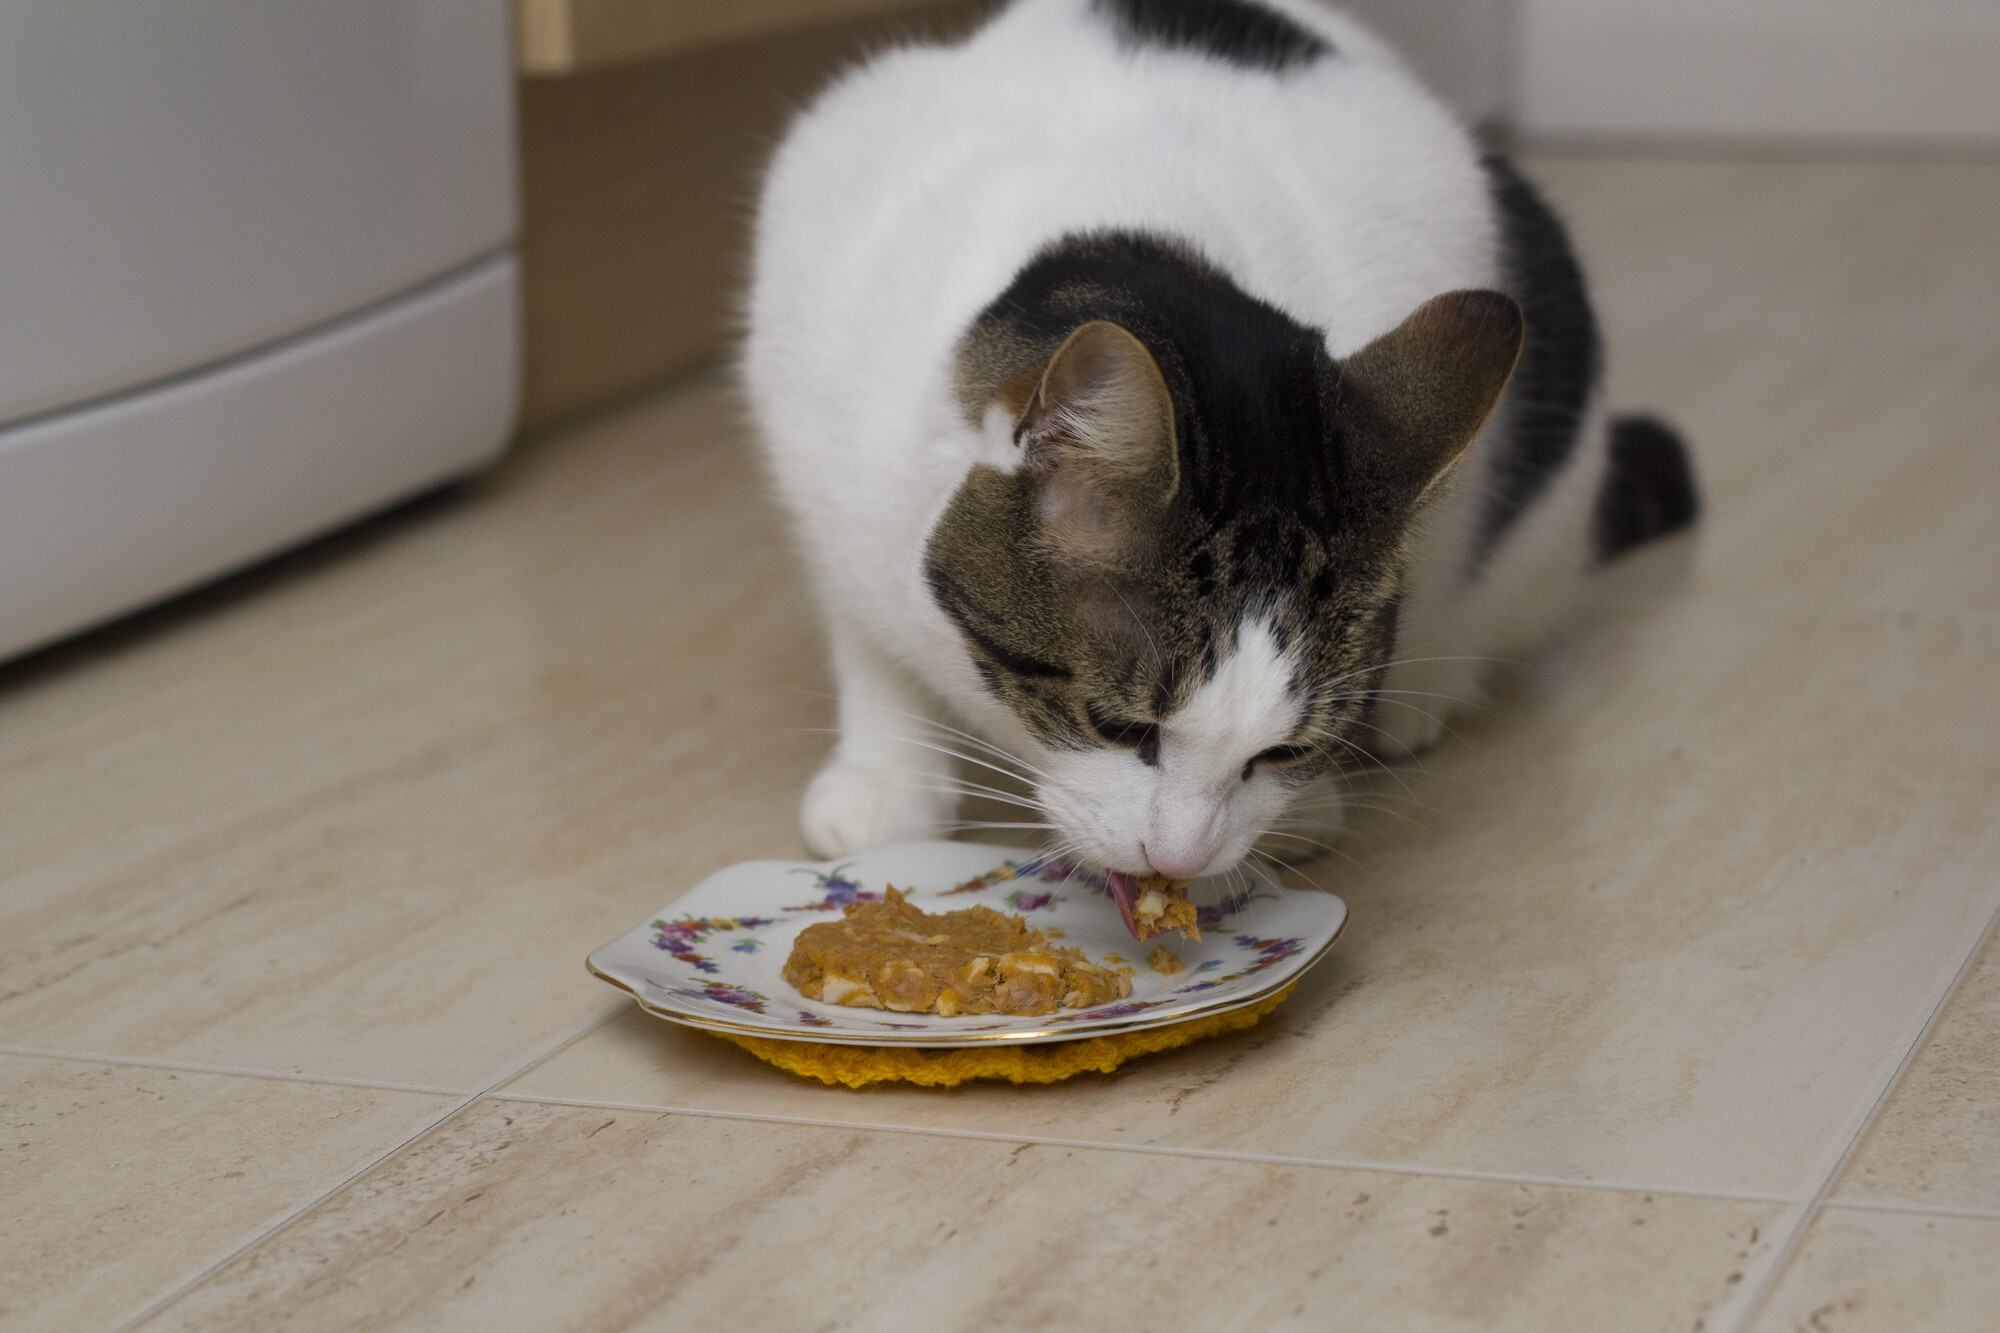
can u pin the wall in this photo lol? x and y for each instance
(1463, 49)
(1827, 70)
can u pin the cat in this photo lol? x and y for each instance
(1174, 407)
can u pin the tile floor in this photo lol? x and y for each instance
(1665, 1003)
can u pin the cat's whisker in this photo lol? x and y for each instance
(1064, 849)
(1318, 826)
(1312, 825)
(1455, 700)
(1372, 782)
(1381, 697)
(1023, 770)
(1351, 803)
(1383, 810)
(1296, 870)
(1375, 696)
(979, 790)
(1365, 753)
(1446, 727)
(1296, 837)
(1411, 758)
(1415, 761)
(958, 754)
(1342, 831)
(1028, 771)
(1289, 868)
(1420, 661)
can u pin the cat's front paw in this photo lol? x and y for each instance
(848, 807)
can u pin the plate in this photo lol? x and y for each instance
(713, 958)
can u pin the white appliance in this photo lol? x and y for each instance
(257, 278)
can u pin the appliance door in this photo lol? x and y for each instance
(182, 180)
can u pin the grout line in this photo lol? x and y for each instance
(1916, 1209)
(513, 1071)
(191, 1067)
(1781, 1256)
(1158, 1149)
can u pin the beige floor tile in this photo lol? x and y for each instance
(1819, 331)
(118, 1182)
(1666, 917)
(366, 816)
(1672, 915)
(1881, 1272)
(1937, 1141)
(520, 1215)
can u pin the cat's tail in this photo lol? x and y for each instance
(1648, 490)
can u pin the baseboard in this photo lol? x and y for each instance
(1817, 70)
(129, 499)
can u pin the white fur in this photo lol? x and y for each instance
(909, 196)
(1194, 812)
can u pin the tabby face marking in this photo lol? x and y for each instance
(1185, 588)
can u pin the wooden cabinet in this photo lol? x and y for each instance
(639, 171)
(569, 36)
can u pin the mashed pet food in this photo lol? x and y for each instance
(894, 955)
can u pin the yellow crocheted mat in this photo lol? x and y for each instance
(858, 1066)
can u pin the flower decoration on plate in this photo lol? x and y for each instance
(679, 937)
(838, 891)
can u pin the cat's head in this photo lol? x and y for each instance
(1184, 590)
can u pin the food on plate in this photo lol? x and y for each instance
(894, 955)
(1165, 961)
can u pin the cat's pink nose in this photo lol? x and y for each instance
(1178, 862)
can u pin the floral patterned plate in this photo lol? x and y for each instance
(713, 959)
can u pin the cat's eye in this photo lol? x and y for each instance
(1129, 734)
(1278, 755)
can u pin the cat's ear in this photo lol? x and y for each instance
(1411, 401)
(1097, 438)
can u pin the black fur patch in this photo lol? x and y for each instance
(1238, 31)
(1649, 490)
(1230, 360)
(1560, 360)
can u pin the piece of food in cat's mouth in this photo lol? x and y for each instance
(895, 955)
(1154, 904)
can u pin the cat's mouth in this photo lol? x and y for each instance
(1125, 892)
(1153, 904)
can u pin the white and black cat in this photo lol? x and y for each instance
(1137, 373)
